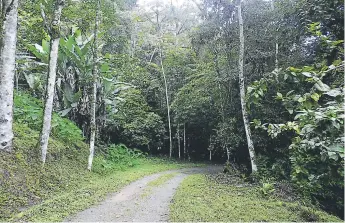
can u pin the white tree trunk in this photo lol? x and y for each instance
(7, 70)
(52, 67)
(276, 45)
(228, 153)
(184, 140)
(178, 141)
(210, 155)
(167, 102)
(243, 93)
(277, 51)
(94, 88)
(159, 29)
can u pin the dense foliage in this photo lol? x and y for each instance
(163, 63)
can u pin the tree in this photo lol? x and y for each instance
(9, 12)
(94, 86)
(167, 102)
(54, 31)
(178, 140)
(243, 93)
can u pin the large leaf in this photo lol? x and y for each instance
(319, 85)
(30, 79)
(65, 112)
(334, 92)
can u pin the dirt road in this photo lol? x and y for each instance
(139, 202)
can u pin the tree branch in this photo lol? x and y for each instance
(45, 19)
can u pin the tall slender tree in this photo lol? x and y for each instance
(8, 40)
(184, 141)
(160, 46)
(167, 101)
(276, 42)
(243, 93)
(178, 140)
(94, 86)
(54, 31)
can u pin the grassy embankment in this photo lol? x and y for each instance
(63, 186)
(201, 199)
(30, 192)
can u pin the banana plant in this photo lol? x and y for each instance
(74, 72)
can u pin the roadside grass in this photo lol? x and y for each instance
(30, 191)
(89, 192)
(63, 186)
(203, 200)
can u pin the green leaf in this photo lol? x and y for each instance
(336, 148)
(65, 112)
(45, 45)
(333, 155)
(307, 74)
(315, 96)
(319, 85)
(108, 101)
(30, 79)
(334, 92)
(105, 67)
(301, 99)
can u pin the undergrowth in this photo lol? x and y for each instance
(29, 111)
(204, 200)
(63, 186)
(30, 192)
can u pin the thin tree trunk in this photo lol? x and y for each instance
(9, 12)
(184, 140)
(188, 146)
(276, 45)
(179, 141)
(210, 155)
(243, 93)
(94, 89)
(49, 96)
(167, 101)
(209, 148)
(151, 58)
(277, 51)
(159, 30)
(17, 80)
(228, 153)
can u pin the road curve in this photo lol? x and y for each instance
(134, 204)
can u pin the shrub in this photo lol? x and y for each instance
(267, 189)
(117, 157)
(29, 110)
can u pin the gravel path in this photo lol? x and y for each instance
(132, 205)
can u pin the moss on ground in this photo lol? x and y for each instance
(203, 200)
(161, 180)
(63, 186)
(156, 183)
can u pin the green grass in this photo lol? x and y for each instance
(87, 193)
(63, 186)
(161, 180)
(156, 183)
(202, 200)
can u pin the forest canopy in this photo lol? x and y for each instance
(255, 83)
